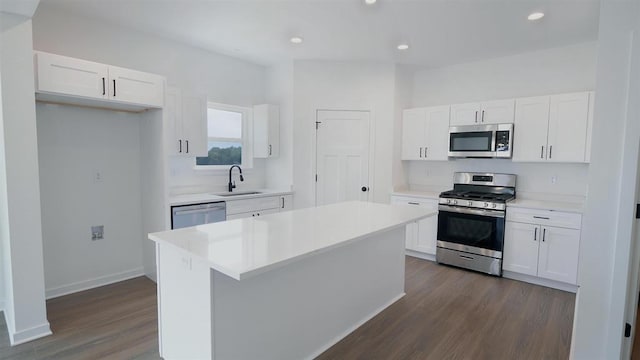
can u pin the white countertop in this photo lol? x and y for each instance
(575, 207)
(245, 247)
(187, 199)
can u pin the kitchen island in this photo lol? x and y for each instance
(283, 286)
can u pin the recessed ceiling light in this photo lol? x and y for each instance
(535, 16)
(403, 47)
(370, 2)
(296, 40)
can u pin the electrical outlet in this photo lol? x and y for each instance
(97, 176)
(97, 232)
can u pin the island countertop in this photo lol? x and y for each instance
(245, 247)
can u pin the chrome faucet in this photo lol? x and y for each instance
(232, 184)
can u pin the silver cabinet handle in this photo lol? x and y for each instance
(425, 151)
(476, 119)
(180, 146)
(550, 151)
(269, 149)
(420, 153)
(482, 119)
(104, 87)
(413, 203)
(282, 202)
(114, 87)
(535, 234)
(542, 152)
(541, 217)
(544, 234)
(187, 141)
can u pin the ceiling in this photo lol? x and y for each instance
(439, 32)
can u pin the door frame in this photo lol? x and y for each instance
(314, 152)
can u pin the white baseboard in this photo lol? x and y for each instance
(152, 276)
(420, 255)
(23, 336)
(354, 327)
(93, 283)
(539, 281)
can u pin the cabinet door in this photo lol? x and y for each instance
(135, 87)
(426, 237)
(413, 134)
(194, 125)
(286, 202)
(568, 116)
(266, 131)
(559, 254)
(521, 243)
(172, 114)
(65, 75)
(530, 129)
(465, 114)
(437, 133)
(497, 112)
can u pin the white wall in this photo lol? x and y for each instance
(342, 86)
(279, 171)
(557, 70)
(73, 144)
(20, 222)
(223, 79)
(551, 71)
(609, 216)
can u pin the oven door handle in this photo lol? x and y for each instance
(464, 210)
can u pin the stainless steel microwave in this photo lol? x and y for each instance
(481, 141)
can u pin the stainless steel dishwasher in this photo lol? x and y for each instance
(197, 214)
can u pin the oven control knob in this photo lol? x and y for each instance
(454, 202)
(486, 204)
(494, 206)
(470, 203)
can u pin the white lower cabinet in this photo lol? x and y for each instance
(540, 249)
(245, 208)
(421, 236)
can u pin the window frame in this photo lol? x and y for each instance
(247, 132)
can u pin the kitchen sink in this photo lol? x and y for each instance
(238, 193)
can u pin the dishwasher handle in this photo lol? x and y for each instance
(194, 209)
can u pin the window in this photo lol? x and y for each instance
(226, 128)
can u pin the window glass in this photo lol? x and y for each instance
(225, 141)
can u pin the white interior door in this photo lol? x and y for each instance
(342, 156)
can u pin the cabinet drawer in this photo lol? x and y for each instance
(251, 205)
(422, 202)
(545, 217)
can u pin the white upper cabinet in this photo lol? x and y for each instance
(425, 133)
(552, 128)
(69, 80)
(266, 131)
(413, 130)
(488, 112)
(465, 114)
(568, 117)
(135, 87)
(186, 117)
(530, 129)
(65, 75)
(497, 112)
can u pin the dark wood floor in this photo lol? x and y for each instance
(117, 321)
(447, 314)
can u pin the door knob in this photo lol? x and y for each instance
(365, 189)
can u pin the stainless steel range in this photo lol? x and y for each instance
(471, 221)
